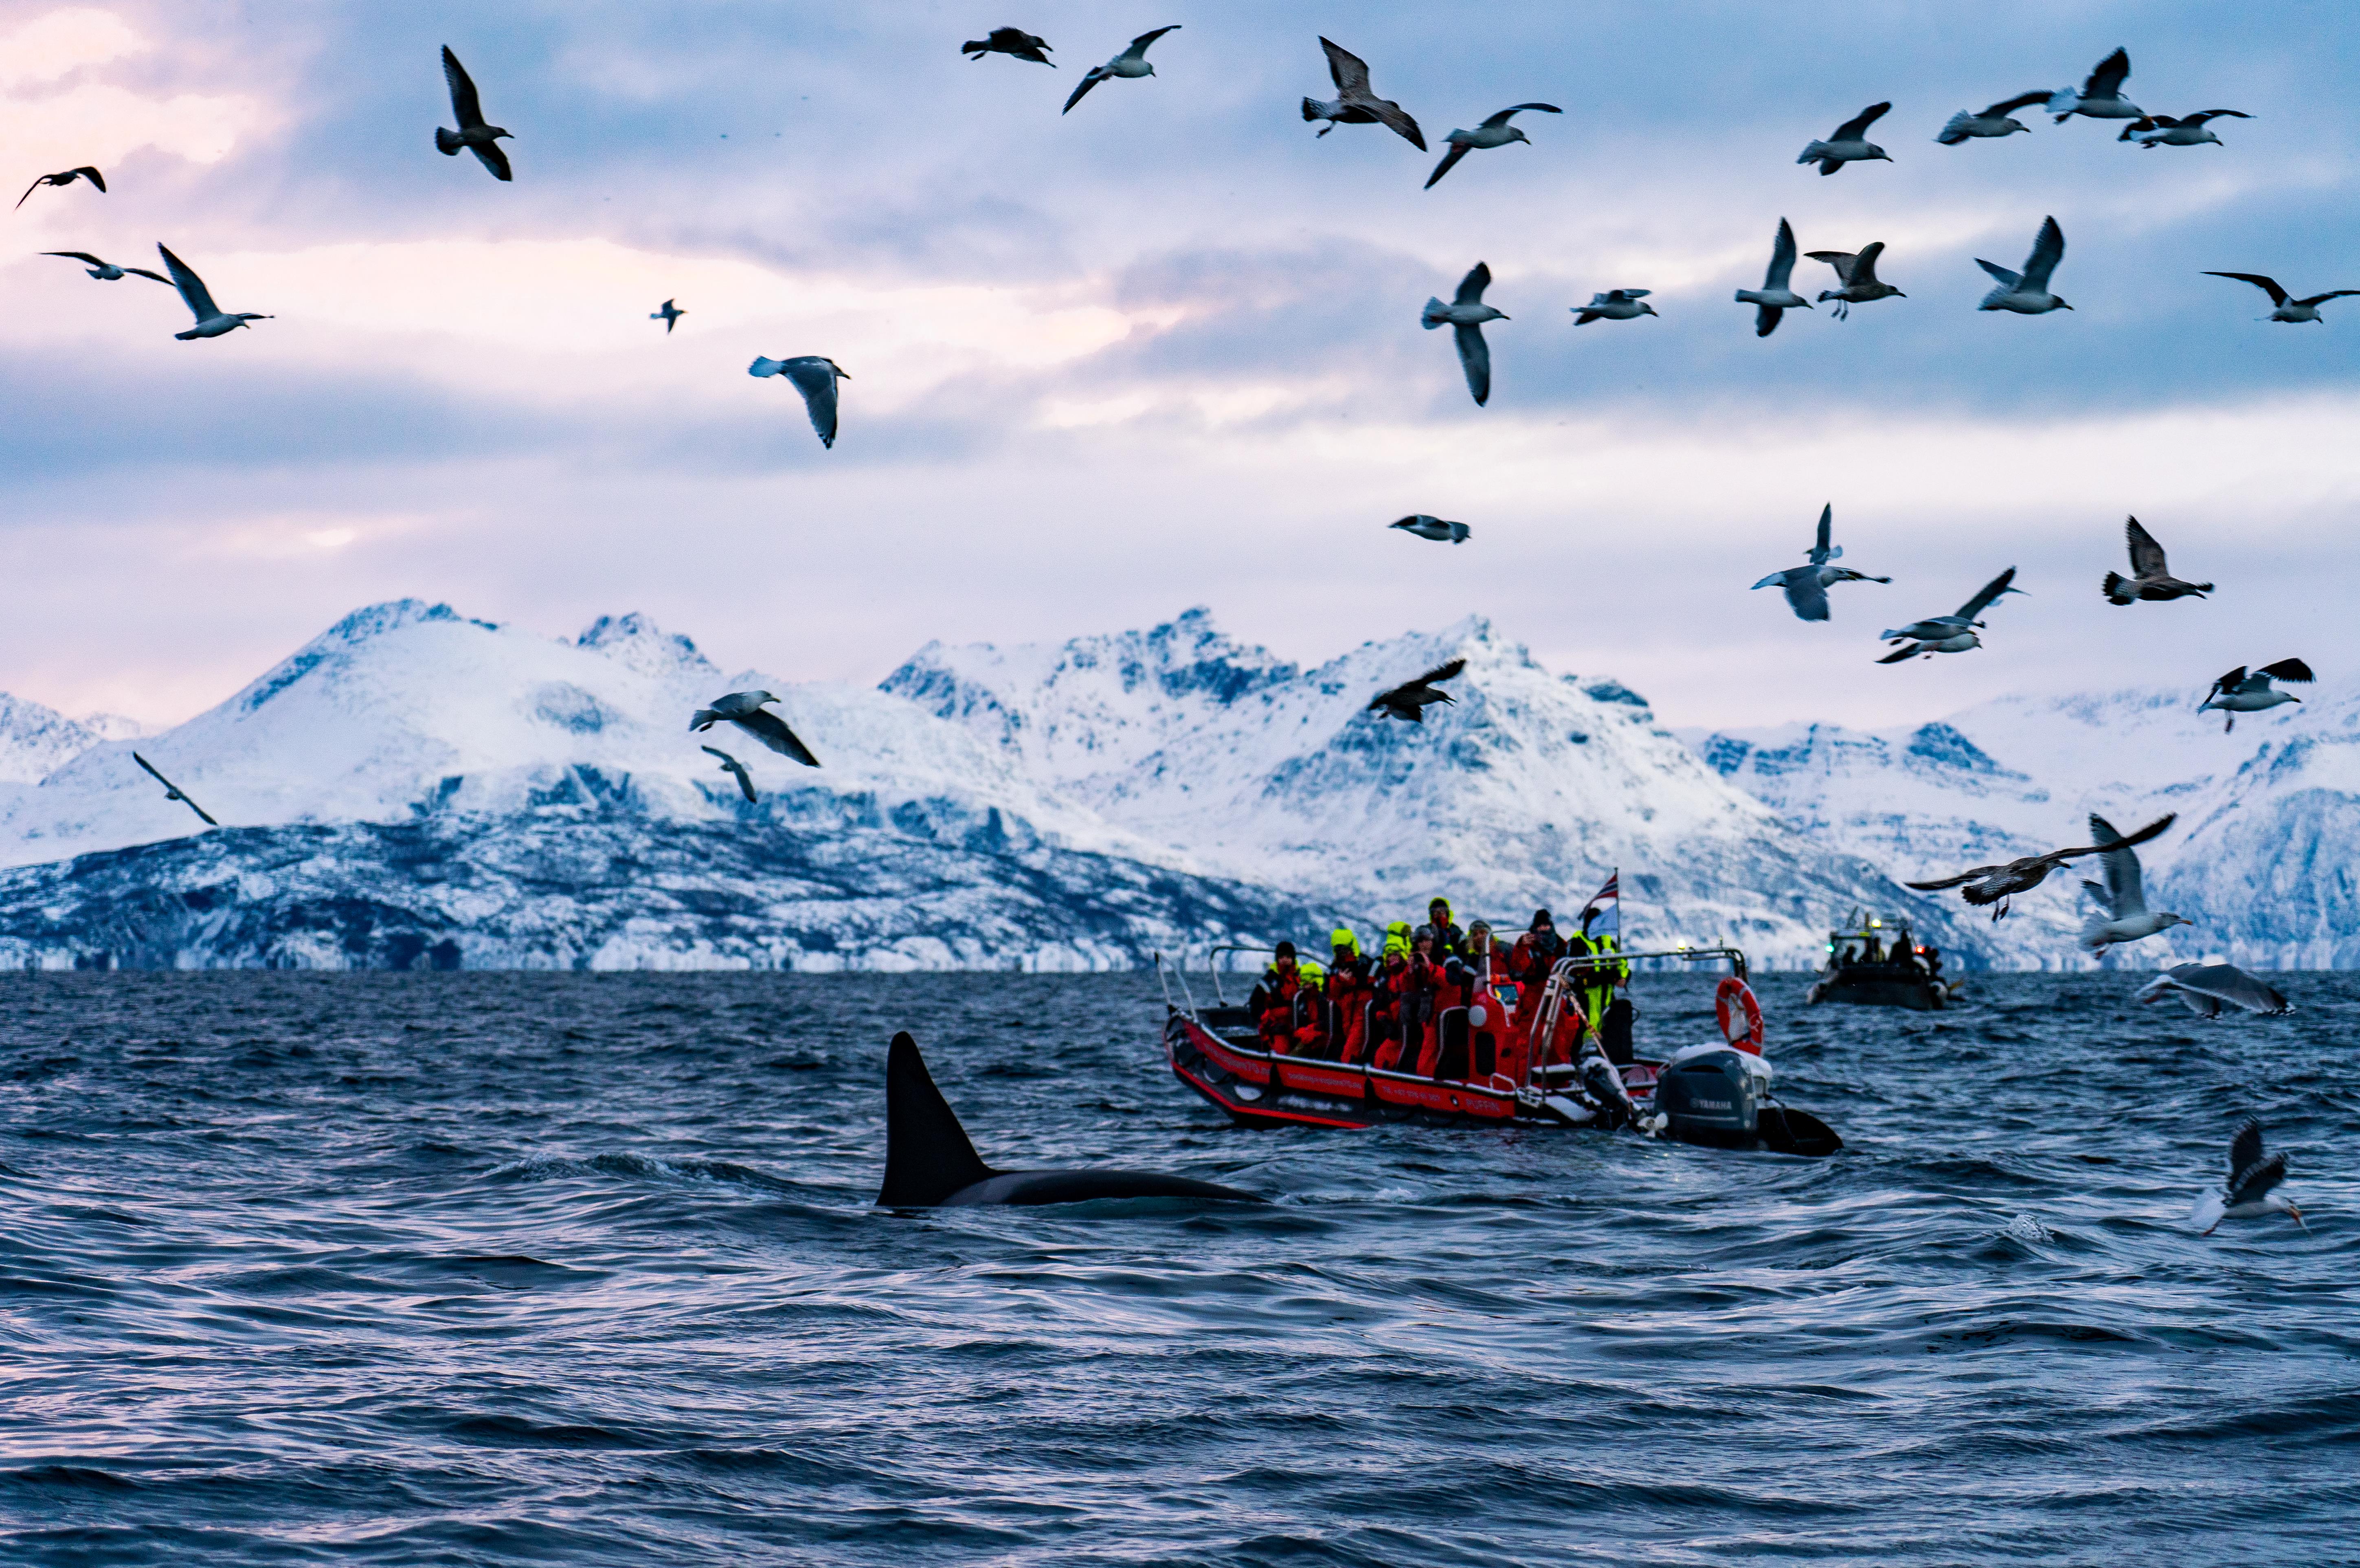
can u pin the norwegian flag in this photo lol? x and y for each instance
(1608, 902)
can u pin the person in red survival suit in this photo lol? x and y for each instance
(1535, 952)
(1384, 996)
(1272, 1001)
(1348, 996)
(1412, 1002)
(1455, 983)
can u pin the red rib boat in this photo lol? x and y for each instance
(1717, 1093)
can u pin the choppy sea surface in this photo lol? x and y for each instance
(463, 1269)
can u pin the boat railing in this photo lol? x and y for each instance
(1180, 973)
(1212, 963)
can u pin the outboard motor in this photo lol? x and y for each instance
(1709, 1098)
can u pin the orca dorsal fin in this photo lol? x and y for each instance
(928, 1154)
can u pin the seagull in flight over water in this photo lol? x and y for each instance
(1411, 698)
(1857, 273)
(211, 320)
(2027, 292)
(2287, 310)
(1132, 61)
(2122, 915)
(1850, 143)
(1776, 296)
(2251, 1190)
(2150, 578)
(1806, 586)
(106, 271)
(66, 176)
(1948, 634)
(736, 770)
(473, 133)
(814, 375)
(2100, 97)
(1466, 313)
(743, 709)
(1356, 103)
(1999, 120)
(2188, 131)
(2205, 987)
(2238, 692)
(1997, 884)
(1014, 42)
(172, 791)
(1494, 132)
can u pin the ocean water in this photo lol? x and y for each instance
(461, 1268)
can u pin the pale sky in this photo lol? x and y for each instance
(1164, 350)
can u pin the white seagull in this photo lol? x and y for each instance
(735, 769)
(1806, 586)
(1132, 61)
(1433, 528)
(1614, 305)
(2027, 292)
(106, 271)
(2288, 309)
(1494, 132)
(743, 709)
(2122, 915)
(1776, 296)
(2238, 692)
(211, 320)
(2205, 987)
(1849, 144)
(2188, 131)
(2251, 1191)
(1356, 103)
(1857, 273)
(473, 133)
(1948, 634)
(2100, 97)
(1999, 120)
(814, 375)
(669, 315)
(1466, 314)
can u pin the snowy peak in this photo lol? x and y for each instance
(636, 642)
(35, 741)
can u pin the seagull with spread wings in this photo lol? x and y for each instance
(1948, 634)
(1776, 296)
(1850, 143)
(2240, 691)
(1437, 529)
(1411, 698)
(1999, 120)
(736, 770)
(172, 791)
(473, 133)
(106, 271)
(2150, 578)
(2122, 914)
(1494, 132)
(1614, 305)
(745, 709)
(211, 320)
(669, 315)
(1857, 273)
(1997, 884)
(1014, 42)
(1132, 61)
(66, 176)
(2288, 309)
(814, 375)
(2205, 987)
(2100, 97)
(2251, 1191)
(1806, 586)
(1356, 103)
(2027, 292)
(1466, 314)
(2188, 131)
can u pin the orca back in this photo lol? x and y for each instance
(928, 1154)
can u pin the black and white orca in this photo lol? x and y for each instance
(929, 1163)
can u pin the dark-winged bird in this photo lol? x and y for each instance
(2100, 97)
(1494, 132)
(1997, 884)
(1857, 273)
(1806, 586)
(1411, 698)
(1466, 314)
(106, 271)
(1011, 41)
(211, 320)
(66, 176)
(1356, 103)
(669, 315)
(1434, 528)
(2027, 292)
(473, 133)
(1132, 61)
(172, 791)
(1850, 143)
(2205, 987)
(2188, 131)
(1997, 121)
(2251, 1191)
(2287, 310)
(2149, 578)
(2238, 692)
(743, 709)
(814, 375)
(1776, 296)
(736, 770)
(1949, 634)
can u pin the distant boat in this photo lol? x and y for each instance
(1875, 962)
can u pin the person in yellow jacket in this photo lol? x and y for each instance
(1599, 981)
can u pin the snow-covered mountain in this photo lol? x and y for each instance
(2265, 856)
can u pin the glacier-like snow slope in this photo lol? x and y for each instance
(1527, 791)
(35, 741)
(2265, 856)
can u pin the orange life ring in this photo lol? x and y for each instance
(1731, 986)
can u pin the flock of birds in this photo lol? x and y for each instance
(2024, 290)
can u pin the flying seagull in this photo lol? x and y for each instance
(743, 709)
(1998, 884)
(1494, 132)
(1857, 273)
(2238, 692)
(1849, 144)
(1012, 42)
(2122, 914)
(211, 320)
(1411, 698)
(1132, 61)
(814, 375)
(2251, 1190)
(2188, 131)
(1614, 305)
(669, 315)
(66, 176)
(1356, 103)
(1948, 634)
(1776, 296)
(737, 769)
(1806, 586)
(473, 133)
(106, 271)
(2100, 97)
(2149, 578)
(1999, 120)
(172, 791)
(2288, 309)
(1433, 528)
(1467, 313)
(2027, 292)
(2205, 987)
